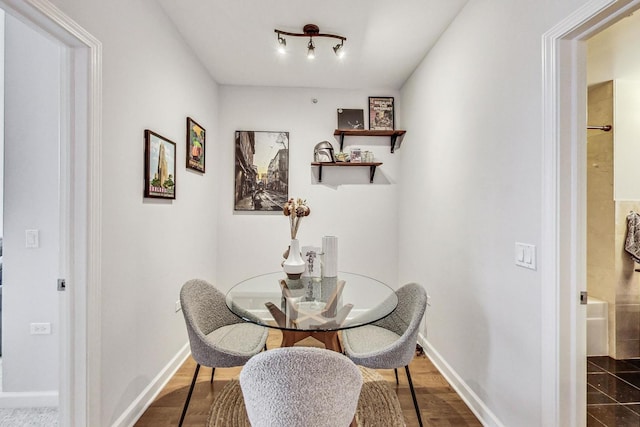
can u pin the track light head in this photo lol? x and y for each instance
(338, 49)
(282, 44)
(311, 49)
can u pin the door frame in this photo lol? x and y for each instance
(80, 201)
(563, 328)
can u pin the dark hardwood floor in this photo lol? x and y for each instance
(439, 403)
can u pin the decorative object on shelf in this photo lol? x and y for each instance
(323, 152)
(367, 157)
(159, 166)
(355, 156)
(329, 256)
(381, 114)
(311, 31)
(261, 170)
(294, 265)
(195, 145)
(342, 157)
(350, 119)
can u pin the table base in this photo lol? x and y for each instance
(328, 338)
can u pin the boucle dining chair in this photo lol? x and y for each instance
(390, 343)
(217, 337)
(300, 387)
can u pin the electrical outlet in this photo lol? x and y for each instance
(178, 307)
(40, 328)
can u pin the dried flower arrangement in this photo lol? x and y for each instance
(295, 210)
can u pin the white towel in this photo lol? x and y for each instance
(632, 244)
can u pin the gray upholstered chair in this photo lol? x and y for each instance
(390, 343)
(218, 338)
(300, 387)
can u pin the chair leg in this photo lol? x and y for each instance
(186, 403)
(395, 370)
(213, 371)
(413, 395)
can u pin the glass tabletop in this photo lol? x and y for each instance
(311, 304)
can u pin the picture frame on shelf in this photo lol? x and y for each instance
(349, 118)
(261, 170)
(196, 144)
(159, 166)
(381, 113)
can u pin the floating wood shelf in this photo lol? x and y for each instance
(393, 134)
(372, 167)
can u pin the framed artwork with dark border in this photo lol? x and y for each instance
(159, 166)
(261, 170)
(350, 118)
(195, 145)
(381, 114)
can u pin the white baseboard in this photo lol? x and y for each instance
(473, 401)
(149, 394)
(29, 399)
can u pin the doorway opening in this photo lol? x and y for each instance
(79, 200)
(564, 205)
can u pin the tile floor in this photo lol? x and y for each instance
(613, 392)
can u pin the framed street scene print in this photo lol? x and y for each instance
(195, 145)
(381, 113)
(261, 170)
(159, 166)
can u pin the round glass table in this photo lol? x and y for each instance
(311, 306)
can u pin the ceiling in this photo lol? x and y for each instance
(386, 40)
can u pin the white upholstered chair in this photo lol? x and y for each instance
(390, 343)
(217, 337)
(300, 387)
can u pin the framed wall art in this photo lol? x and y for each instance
(381, 114)
(159, 166)
(350, 118)
(195, 145)
(261, 170)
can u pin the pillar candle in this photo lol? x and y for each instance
(330, 256)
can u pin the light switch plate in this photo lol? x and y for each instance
(525, 255)
(31, 238)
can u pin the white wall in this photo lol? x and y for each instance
(344, 204)
(612, 56)
(2, 59)
(151, 79)
(32, 94)
(626, 137)
(471, 167)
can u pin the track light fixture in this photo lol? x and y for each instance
(338, 50)
(311, 31)
(282, 44)
(311, 49)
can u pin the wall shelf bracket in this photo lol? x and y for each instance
(372, 167)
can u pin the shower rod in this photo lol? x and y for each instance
(605, 128)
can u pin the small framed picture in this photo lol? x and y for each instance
(159, 166)
(195, 145)
(355, 156)
(381, 113)
(350, 118)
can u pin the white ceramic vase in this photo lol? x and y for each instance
(294, 264)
